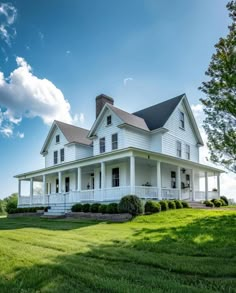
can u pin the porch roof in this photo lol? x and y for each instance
(118, 154)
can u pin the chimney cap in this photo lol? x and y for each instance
(105, 96)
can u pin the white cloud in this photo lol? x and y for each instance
(6, 131)
(9, 13)
(228, 179)
(20, 134)
(23, 94)
(125, 81)
(79, 118)
(68, 52)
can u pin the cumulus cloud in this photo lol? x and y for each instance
(126, 80)
(23, 94)
(20, 134)
(79, 118)
(228, 179)
(8, 14)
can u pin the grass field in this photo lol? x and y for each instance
(175, 251)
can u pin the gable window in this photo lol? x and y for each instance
(102, 144)
(57, 138)
(114, 139)
(187, 151)
(62, 154)
(173, 179)
(115, 177)
(181, 120)
(179, 149)
(55, 154)
(109, 120)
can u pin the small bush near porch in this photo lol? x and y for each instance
(174, 251)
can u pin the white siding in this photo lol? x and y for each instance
(83, 151)
(137, 139)
(156, 142)
(186, 136)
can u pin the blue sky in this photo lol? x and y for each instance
(139, 52)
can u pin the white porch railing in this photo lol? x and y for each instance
(147, 192)
(24, 200)
(170, 193)
(213, 194)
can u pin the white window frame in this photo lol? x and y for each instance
(57, 136)
(181, 120)
(102, 148)
(187, 151)
(114, 144)
(55, 159)
(63, 155)
(179, 150)
(109, 119)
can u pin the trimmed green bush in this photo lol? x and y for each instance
(208, 203)
(185, 204)
(151, 207)
(222, 202)
(164, 205)
(25, 210)
(178, 204)
(11, 204)
(112, 208)
(77, 207)
(171, 205)
(94, 207)
(102, 208)
(217, 203)
(225, 199)
(86, 208)
(131, 204)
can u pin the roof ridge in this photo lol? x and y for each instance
(56, 121)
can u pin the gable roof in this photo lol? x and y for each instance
(157, 115)
(73, 134)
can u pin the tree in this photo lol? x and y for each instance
(220, 101)
(11, 202)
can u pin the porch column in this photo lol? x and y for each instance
(178, 181)
(206, 186)
(19, 191)
(159, 180)
(59, 182)
(44, 188)
(79, 179)
(31, 190)
(193, 187)
(218, 184)
(103, 175)
(132, 174)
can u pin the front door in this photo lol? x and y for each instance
(67, 184)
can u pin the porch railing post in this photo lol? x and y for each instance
(193, 187)
(44, 189)
(132, 174)
(179, 181)
(103, 180)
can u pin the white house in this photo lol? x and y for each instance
(153, 153)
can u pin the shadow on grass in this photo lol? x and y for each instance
(198, 257)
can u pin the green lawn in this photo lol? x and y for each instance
(175, 251)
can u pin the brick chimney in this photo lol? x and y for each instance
(101, 100)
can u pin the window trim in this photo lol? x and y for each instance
(55, 159)
(115, 180)
(102, 148)
(187, 151)
(178, 143)
(109, 118)
(63, 155)
(114, 142)
(57, 138)
(181, 120)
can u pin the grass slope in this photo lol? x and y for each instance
(175, 251)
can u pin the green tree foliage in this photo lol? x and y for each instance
(220, 101)
(11, 202)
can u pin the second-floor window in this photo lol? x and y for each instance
(57, 138)
(62, 153)
(187, 152)
(102, 144)
(114, 141)
(181, 120)
(109, 120)
(179, 149)
(55, 158)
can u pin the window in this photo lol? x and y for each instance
(181, 120)
(67, 184)
(115, 177)
(109, 120)
(179, 152)
(57, 138)
(187, 152)
(173, 179)
(55, 157)
(102, 143)
(114, 139)
(57, 185)
(62, 153)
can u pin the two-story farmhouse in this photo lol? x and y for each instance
(153, 153)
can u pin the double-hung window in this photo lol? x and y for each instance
(55, 157)
(109, 120)
(187, 151)
(179, 149)
(57, 138)
(114, 141)
(115, 177)
(102, 143)
(62, 154)
(181, 120)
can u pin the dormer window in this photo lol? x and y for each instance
(109, 120)
(57, 138)
(181, 120)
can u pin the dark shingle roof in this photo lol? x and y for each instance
(73, 133)
(157, 115)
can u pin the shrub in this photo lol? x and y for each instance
(208, 203)
(225, 199)
(185, 204)
(102, 208)
(217, 203)
(164, 205)
(131, 204)
(178, 204)
(86, 208)
(77, 207)
(213, 200)
(11, 204)
(222, 202)
(94, 207)
(171, 205)
(112, 208)
(151, 207)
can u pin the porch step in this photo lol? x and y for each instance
(53, 215)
